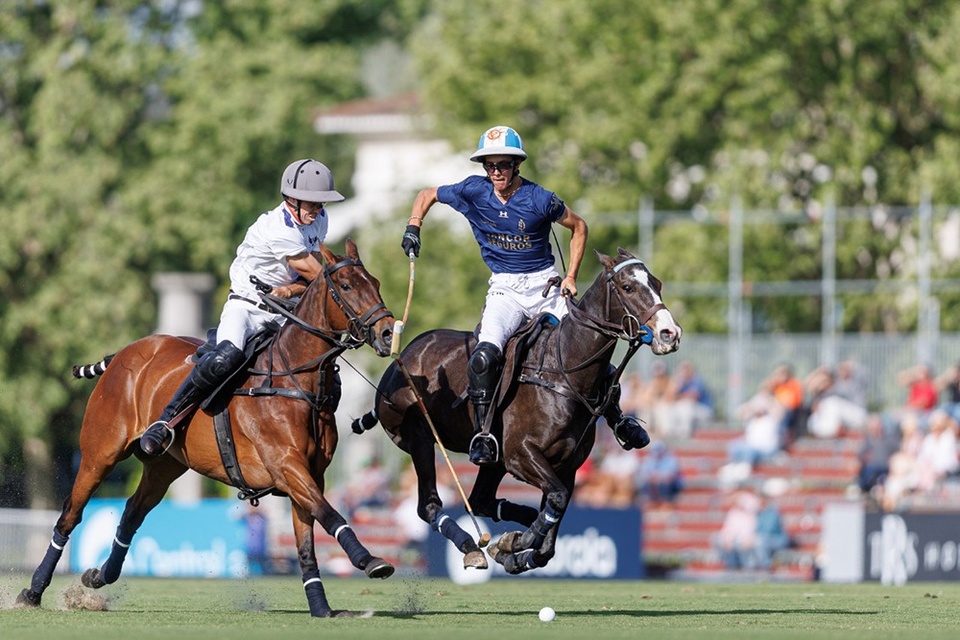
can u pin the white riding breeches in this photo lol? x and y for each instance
(240, 319)
(514, 298)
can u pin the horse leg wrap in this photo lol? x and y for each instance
(44, 573)
(546, 520)
(522, 562)
(110, 570)
(358, 554)
(513, 512)
(316, 596)
(452, 532)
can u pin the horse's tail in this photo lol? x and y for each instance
(365, 422)
(92, 370)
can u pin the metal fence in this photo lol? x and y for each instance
(24, 537)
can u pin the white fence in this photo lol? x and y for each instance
(24, 537)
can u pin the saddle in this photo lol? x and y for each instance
(518, 355)
(524, 358)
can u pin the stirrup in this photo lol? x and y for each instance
(168, 434)
(630, 434)
(480, 449)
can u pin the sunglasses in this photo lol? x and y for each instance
(312, 206)
(490, 167)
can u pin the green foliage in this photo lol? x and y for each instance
(138, 138)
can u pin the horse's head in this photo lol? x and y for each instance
(636, 299)
(352, 303)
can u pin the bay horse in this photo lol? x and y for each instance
(546, 413)
(284, 429)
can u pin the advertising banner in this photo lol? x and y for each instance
(206, 538)
(599, 544)
(903, 547)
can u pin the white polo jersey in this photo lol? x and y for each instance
(270, 240)
(274, 237)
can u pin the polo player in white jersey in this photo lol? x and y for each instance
(511, 218)
(281, 249)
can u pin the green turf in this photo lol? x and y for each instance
(420, 608)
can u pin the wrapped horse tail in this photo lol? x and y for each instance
(94, 370)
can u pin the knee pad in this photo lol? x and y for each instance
(219, 363)
(484, 365)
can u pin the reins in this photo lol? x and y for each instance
(632, 329)
(360, 330)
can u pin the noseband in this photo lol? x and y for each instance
(359, 327)
(632, 327)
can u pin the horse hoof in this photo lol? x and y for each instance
(476, 560)
(379, 568)
(28, 598)
(91, 579)
(339, 613)
(508, 542)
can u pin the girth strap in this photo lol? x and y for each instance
(231, 464)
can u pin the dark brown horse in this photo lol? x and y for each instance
(284, 439)
(546, 420)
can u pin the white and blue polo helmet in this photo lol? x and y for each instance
(499, 141)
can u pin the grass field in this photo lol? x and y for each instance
(421, 608)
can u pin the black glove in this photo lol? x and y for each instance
(411, 241)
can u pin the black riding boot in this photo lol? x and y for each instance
(626, 429)
(483, 371)
(209, 373)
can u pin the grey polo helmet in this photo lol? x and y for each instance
(309, 181)
(499, 141)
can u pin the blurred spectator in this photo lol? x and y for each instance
(788, 391)
(368, 488)
(692, 402)
(771, 534)
(631, 393)
(762, 437)
(737, 537)
(901, 476)
(922, 391)
(659, 477)
(612, 481)
(654, 401)
(851, 382)
(937, 458)
(831, 412)
(948, 383)
(878, 446)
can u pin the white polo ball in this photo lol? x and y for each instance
(547, 614)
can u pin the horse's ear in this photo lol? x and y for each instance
(623, 253)
(328, 256)
(605, 260)
(351, 247)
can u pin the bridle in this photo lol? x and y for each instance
(360, 331)
(631, 328)
(360, 328)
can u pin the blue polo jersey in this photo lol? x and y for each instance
(513, 237)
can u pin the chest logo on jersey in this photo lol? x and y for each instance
(521, 226)
(503, 214)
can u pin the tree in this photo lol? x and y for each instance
(140, 137)
(693, 104)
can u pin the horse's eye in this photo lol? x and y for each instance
(627, 288)
(345, 287)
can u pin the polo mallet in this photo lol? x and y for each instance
(395, 354)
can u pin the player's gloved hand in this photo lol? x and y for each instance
(411, 241)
